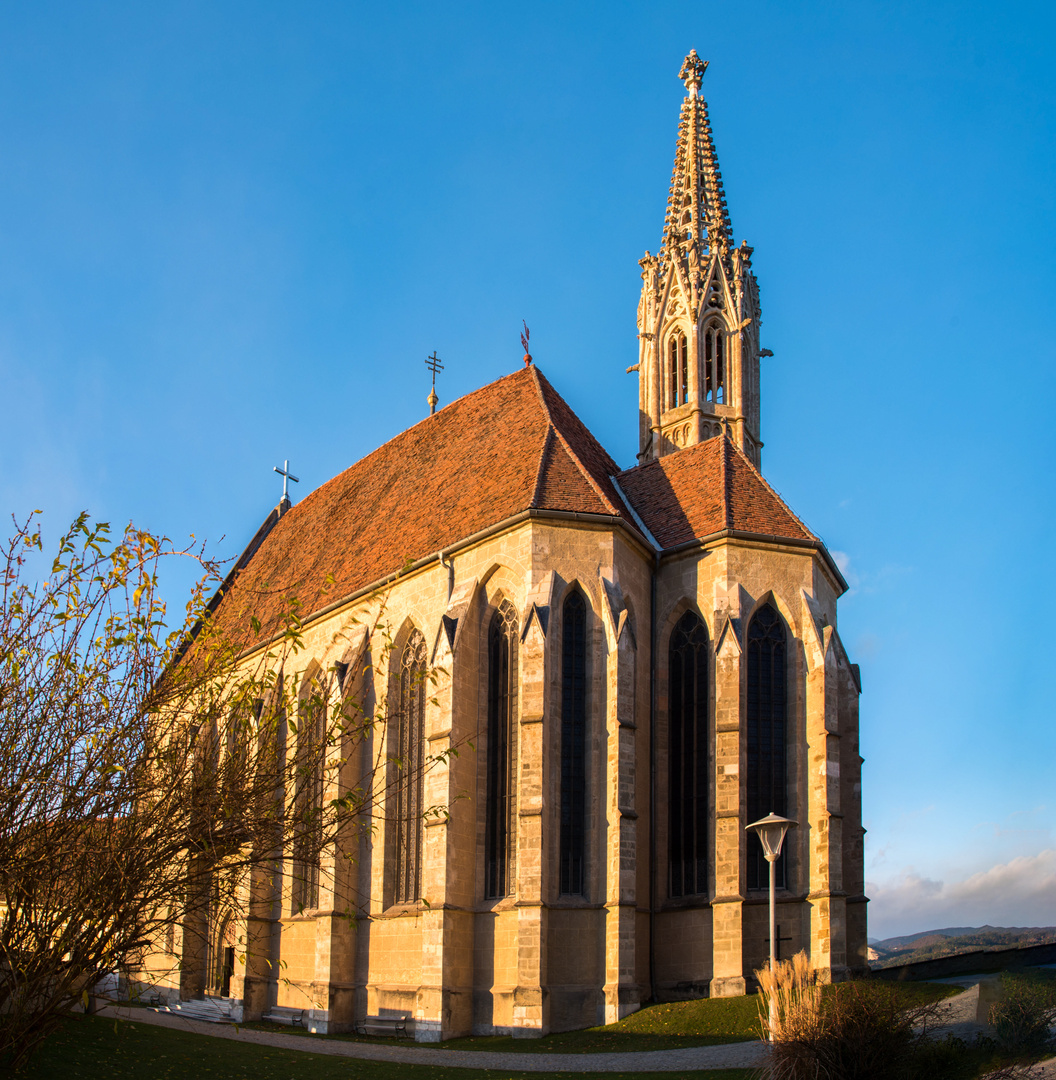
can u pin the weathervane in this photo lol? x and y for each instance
(287, 476)
(524, 341)
(434, 365)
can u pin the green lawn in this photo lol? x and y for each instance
(705, 1022)
(672, 1026)
(94, 1048)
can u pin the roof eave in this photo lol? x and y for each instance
(811, 543)
(505, 525)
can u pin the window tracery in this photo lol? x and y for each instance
(688, 757)
(502, 716)
(767, 780)
(308, 817)
(410, 750)
(573, 745)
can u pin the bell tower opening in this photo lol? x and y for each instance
(677, 369)
(714, 364)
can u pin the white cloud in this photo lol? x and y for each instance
(1021, 892)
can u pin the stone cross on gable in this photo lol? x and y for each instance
(287, 476)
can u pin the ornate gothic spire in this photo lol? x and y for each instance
(697, 224)
(698, 319)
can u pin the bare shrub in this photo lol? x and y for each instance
(150, 773)
(1024, 1017)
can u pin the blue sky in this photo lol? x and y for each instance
(230, 233)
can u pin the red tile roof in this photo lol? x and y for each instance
(513, 445)
(706, 489)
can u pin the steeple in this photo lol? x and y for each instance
(698, 319)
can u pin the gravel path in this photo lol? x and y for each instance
(728, 1056)
(957, 1017)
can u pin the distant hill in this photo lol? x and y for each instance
(953, 940)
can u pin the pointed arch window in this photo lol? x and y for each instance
(688, 757)
(410, 749)
(715, 363)
(767, 728)
(677, 369)
(502, 719)
(308, 816)
(224, 957)
(573, 745)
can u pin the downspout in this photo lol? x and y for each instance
(652, 778)
(449, 566)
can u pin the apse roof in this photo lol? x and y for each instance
(706, 489)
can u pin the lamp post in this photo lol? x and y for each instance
(771, 831)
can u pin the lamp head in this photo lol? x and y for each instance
(771, 831)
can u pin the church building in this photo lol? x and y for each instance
(637, 663)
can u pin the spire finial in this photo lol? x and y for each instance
(524, 342)
(692, 72)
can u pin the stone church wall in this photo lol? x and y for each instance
(536, 961)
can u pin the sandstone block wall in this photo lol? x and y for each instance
(535, 961)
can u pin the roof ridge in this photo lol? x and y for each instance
(727, 516)
(586, 473)
(544, 457)
(613, 509)
(776, 494)
(536, 376)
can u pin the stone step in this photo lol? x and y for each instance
(212, 1010)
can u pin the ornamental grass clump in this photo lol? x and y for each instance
(853, 1031)
(789, 999)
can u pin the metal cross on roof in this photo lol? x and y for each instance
(286, 475)
(434, 365)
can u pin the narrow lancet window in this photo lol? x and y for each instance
(714, 364)
(688, 757)
(677, 370)
(308, 819)
(410, 749)
(683, 368)
(573, 745)
(502, 717)
(767, 706)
